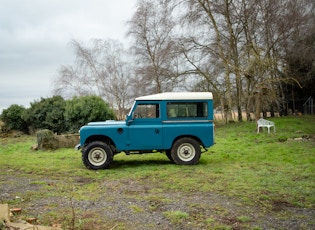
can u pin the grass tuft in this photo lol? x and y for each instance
(176, 216)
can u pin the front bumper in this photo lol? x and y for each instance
(77, 147)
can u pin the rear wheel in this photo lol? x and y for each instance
(97, 155)
(186, 151)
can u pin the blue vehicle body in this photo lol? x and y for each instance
(155, 123)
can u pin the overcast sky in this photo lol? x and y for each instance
(35, 40)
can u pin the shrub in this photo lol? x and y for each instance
(13, 118)
(57, 114)
(48, 113)
(81, 110)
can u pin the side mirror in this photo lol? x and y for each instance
(129, 122)
(129, 119)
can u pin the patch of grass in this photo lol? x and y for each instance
(176, 216)
(156, 201)
(136, 209)
(210, 220)
(243, 219)
(260, 166)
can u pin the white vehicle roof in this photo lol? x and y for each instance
(177, 96)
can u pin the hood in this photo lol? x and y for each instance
(108, 122)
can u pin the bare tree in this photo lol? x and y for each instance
(100, 69)
(151, 28)
(241, 50)
(216, 38)
(282, 20)
(247, 40)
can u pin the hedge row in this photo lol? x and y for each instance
(56, 114)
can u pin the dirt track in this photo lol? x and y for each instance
(127, 204)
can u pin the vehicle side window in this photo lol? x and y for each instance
(187, 109)
(147, 111)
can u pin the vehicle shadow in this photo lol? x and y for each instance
(139, 163)
(134, 163)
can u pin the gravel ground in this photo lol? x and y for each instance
(127, 204)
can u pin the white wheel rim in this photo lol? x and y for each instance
(97, 156)
(186, 152)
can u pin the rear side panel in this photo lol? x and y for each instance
(188, 118)
(201, 130)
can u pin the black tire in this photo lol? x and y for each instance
(169, 155)
(97, 155)
(186, 151)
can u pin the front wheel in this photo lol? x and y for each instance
(97, 155)
(186, 151)
(169, 155)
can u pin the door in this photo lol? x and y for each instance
(145, 131)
